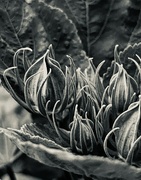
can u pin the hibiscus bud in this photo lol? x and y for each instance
(122, 88)
(41, 83)
(82, 138)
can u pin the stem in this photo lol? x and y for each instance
(10, 172)
(7, 169)
(2, 171)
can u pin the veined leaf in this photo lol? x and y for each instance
(15, 30)
(36, 26)
(43, 131)
(10, 24)
(90, 166)
(130, 52)
(103, 24)
(22, 136)
(61, 32)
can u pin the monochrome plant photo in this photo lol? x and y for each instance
(70, 92)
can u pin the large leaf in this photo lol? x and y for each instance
(22, 136)
(36, 26)
(15, 29)
(61, 32)
(90, 166)
(103, 24)
(42, 130)
(131, 51)
(39, 134)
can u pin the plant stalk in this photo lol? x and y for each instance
(10, 172)
(7, 169)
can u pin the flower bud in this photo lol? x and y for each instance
(122, 88)
(42, 84)
(82, 138)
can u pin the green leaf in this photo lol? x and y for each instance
(61, 32)
(37, 26)
(101, 25)
(15, 28)
(45, 131)
(10, 24)
(91, 166)
(22, 136)
(136, 34)
(130, 52)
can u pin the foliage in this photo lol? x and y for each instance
(85, 124)
(80, 123)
